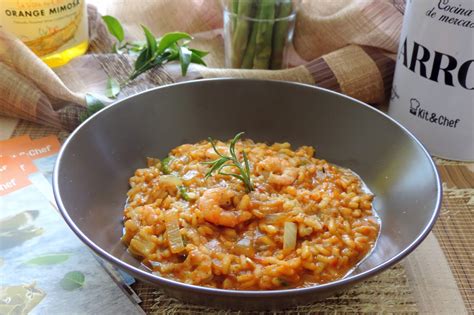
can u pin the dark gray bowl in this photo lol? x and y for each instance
(93, 167)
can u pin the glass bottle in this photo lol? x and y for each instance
(433, 87)
(55, 30)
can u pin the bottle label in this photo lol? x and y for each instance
(45, 26)
(433, 87)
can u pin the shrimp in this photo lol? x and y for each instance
(213, 204)
(281, 173)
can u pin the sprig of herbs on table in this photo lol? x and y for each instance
(224, 161)
(151, 53)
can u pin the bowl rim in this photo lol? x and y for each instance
(158, 280)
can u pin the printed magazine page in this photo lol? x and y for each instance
(43, 265)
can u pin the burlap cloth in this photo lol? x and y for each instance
(355, 59)
(344, 45)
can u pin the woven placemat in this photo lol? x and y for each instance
(389, 292)
(454, 228)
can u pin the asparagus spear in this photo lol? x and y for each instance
(247, 62)
(263, 40)
(241, 32)
(234, 10)
(280, 33)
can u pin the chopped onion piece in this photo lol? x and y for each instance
(243, 247)
(175, 240)
(289, 236)
(192, 196)
(274, 217)
(170, 180)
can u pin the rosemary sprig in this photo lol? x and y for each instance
(224, 161)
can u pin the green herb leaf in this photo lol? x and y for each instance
(233, 142)
(142, 59)
(137, 44)
(161, 59)
(150, 42)
(48, 259)
(93, 106)
(113, 88)
(149, 64)
(114, 27)
(196, 59)
(219, 164)
(216, 166)
(183, 192)
(165, 168)
(199, 53)
(136, 47)
(214, 147)
(72, 280)
(246, 161)
(142, 64)
(93, 101)
(148, 58)
(173, 52)
(233, 175)
(184, 59)
(168, 39)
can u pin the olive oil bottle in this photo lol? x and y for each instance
(55, 30)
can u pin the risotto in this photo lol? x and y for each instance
(278, 219)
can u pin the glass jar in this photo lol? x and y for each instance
(257, 33)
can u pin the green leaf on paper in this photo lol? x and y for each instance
(169, 39)
(72, 280)
(184, 59)
(114, 27)
(48, 259)
(113, 88)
